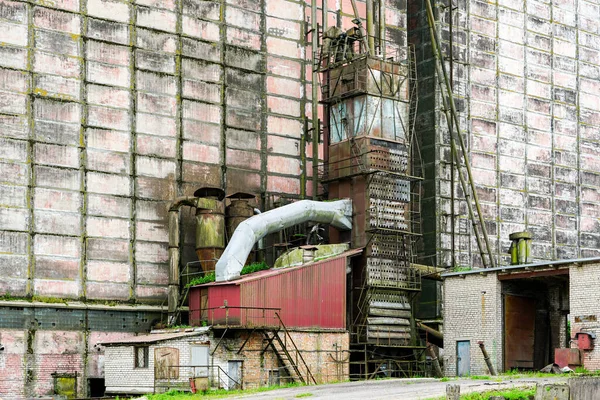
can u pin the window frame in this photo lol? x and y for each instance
(145, 354)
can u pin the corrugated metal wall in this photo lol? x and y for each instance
(314, 296)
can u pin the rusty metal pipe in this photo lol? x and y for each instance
(174, 240)
(435, 362)
(487, 359)
(371, 26)
(435, 333)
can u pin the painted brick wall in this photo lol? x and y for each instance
(475, 315)
(584, 300)
(526, 82)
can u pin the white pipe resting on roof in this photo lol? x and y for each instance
(336, 213)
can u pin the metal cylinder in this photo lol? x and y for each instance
(520, 248)
(238, 211)
(210, 226)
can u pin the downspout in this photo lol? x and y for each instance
(337, 213)
(371, 27)
(174, 239)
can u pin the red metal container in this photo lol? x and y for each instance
(585, 341)
(567, 357)
(308, 296)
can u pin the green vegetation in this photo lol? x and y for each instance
(582, 370)
(511, 394)
(210, 277)
(219, 393)
(462, 268)
(480, 377)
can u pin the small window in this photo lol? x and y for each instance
(141, 357)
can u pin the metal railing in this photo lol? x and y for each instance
(216, 377)
(247, 317)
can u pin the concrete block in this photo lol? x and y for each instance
(284, 9)
(56, 111)
(108, 227)
(284, 87)
(57, 20)
(156, 83)
(13, 242)
(111, 118)
(13, 103)
(200, 70)
(13, 266)
(201, 173)
(155, 188)
(152, 274)
(279, 105)
(283, 47)
(107, 271)
(243, 159)
(204, 30)
(108, 31)
(242, 38)
(284, 165)
(281, 145)
(11, 57)
(15, 126)
(151, 293)
(155, 125)
(151, 231)
(57, 177)
(11, 149)
(13, 196)
(57, 42)
(156, 41)
(201, 153)
(108, 249)
(55, 155)
(201, 111)
(108, 206)
(203, 9)
(107, 291)
(243, 99)
(204, 51)
(202, 91)
(156, 146)
(284, 126)
(56, 200)
(151, 210)
(279, 184)
(103, 161)
(243, 19)
(199, 132)
(56, 64)
(108, 96)
(107, 53)
(107, 140)
(13, 11)
(54, 132)
(283, 29)
(246, 59)
(60, 223)
(155, 167)
(108, 184)
(244, 80)
(161, 20)
(552, 392)
(155, 62)
(108, 74)
(15, 219)
(57, 87)
(62, 246)
(156, 104)
(244, 140)
(56, 288)
(108, 9)
(151, 252)
(56, 268)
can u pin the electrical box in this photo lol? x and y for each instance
(585, 340)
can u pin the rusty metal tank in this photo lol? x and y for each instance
(210, 226)
(238, 210)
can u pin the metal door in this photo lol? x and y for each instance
(234, 370)
(463, 358)
(199, 361)
(519, 332)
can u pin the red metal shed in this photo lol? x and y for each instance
(309, 296)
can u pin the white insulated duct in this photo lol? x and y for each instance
(336, 213)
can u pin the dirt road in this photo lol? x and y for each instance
(404, 389)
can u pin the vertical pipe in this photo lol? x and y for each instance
(357, 17)
(315, 98)
(325, 16)
(487, 359)
(452, 182)
(435, 362)
(370, 26)
(382, 41)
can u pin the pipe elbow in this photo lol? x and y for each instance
(183, 201)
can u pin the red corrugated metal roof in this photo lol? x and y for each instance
(272, 272)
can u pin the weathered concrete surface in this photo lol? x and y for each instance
(551, 391)
(585, 388)
(405, 389)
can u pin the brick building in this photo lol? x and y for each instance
(111, 109)
(522, 314)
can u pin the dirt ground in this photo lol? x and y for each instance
(404, 389)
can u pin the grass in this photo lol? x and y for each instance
(219, 393)
(303, 395)
(210, 277)
(480, 377)
(511, 394)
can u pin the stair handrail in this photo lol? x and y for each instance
(308, 373)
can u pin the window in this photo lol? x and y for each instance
(200, 360)
(141, 357)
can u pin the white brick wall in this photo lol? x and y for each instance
(471, 314)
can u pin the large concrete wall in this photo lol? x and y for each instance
(526, 82)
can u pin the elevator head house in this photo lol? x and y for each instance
(527, 316)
